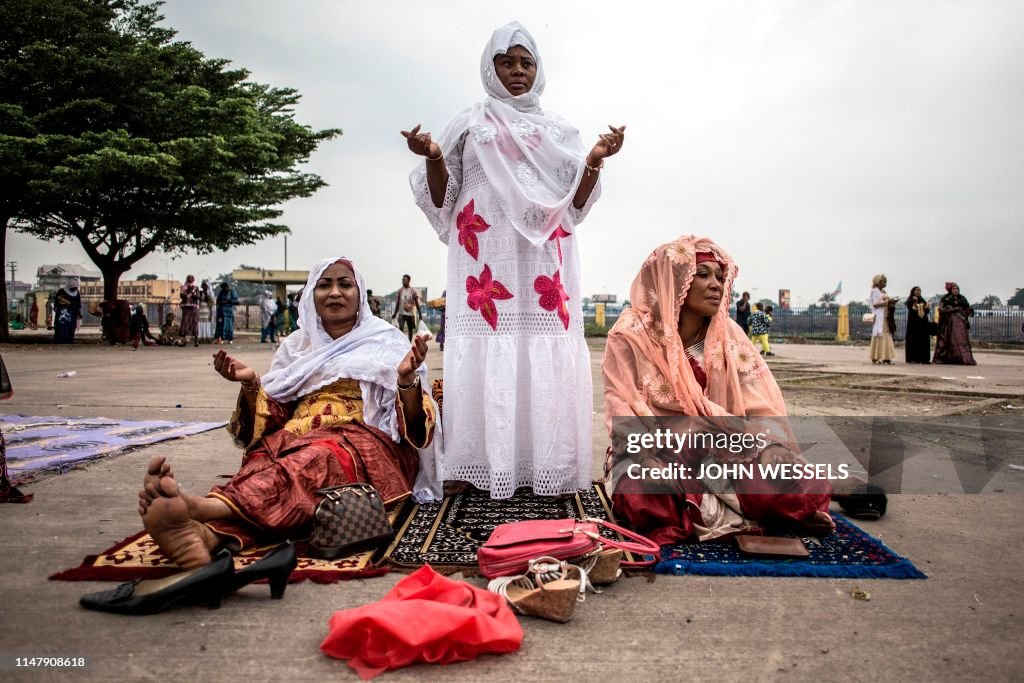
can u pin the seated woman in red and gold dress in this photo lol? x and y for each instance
(677, 353)
(344, 401)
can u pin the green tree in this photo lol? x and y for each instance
(188, 155)
(988, 302)
(244, 290)
(52, 71)
(1017, 299)
(147, 276)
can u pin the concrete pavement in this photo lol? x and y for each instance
(964, 622)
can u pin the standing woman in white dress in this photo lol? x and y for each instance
(206, 301)
(882, 348)
(505, 188)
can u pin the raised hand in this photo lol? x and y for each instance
(608, 143)
(421, 144)
(412, 360)
(232, 369)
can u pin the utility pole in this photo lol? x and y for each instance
(286, 252)
(13, 266)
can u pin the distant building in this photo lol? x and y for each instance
(52, 278)
(136, 291)
(16, 290)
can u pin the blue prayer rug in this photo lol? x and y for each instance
(37, 445)
(846, 553)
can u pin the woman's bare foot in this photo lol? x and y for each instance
(158, 470)
(818, 524)
(186, 542)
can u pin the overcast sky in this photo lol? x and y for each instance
(816, 141)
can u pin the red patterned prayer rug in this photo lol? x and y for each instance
(137, 557)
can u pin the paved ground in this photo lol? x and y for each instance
(964, 622)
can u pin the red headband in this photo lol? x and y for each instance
(704, 256)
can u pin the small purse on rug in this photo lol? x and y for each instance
(511, 546)
(351, 517)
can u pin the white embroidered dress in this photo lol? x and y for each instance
(518, 394)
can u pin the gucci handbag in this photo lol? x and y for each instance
(350, 518)
(511, 546)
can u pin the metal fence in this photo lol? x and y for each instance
(809, 323)
(823, 323)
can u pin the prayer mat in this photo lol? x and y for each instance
(37, 445)
(846, 553)
(447, 534)
(138, 557)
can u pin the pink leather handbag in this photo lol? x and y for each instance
(511, 546)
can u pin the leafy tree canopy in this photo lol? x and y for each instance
(245, 290)
(130, 142)
(988, 302)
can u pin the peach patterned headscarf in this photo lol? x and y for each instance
(646, 371)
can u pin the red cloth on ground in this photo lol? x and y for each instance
(424, 618)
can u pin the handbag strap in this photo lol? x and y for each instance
(640, 545)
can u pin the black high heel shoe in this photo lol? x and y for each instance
(205, 584)
(868, 506)
(276, 566)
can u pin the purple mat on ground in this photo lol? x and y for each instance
(56, 444)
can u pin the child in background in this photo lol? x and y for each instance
(760, 325)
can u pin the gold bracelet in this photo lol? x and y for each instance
(252, 386)
(593, 169)
(437, 158)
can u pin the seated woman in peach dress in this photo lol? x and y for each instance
(677, 353)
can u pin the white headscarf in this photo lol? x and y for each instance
(535, 160)
(309, 359)
(72, 287)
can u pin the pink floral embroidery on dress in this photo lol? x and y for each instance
(469, 223)
(557, 236)
(553, 296)
(482, 294)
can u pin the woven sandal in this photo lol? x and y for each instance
(544, 591)
(602, 568)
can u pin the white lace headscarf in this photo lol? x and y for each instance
(535, 160)
(309, 359)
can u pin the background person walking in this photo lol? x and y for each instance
(743, 313)
(407, 306)
(189, 311)
(227, 299)
(67, 313)
(268, 318)
(760, 326)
